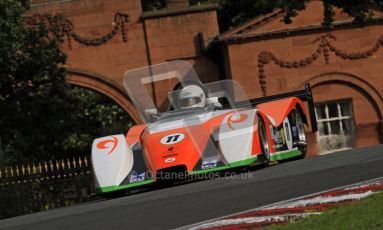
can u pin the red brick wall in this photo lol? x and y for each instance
(94, 18)
(338, 79)
(179, 40)
(171, 34)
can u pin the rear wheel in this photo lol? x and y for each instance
(302, 140)
(263, 141)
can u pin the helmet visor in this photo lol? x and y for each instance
(189, 101)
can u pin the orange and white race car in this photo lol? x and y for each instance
(199, 128)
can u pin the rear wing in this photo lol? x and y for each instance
(304, 95)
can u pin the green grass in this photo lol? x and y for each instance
(365, 214)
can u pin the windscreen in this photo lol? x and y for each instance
(173, 91)
(148, 87)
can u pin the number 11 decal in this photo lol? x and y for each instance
(172, 138)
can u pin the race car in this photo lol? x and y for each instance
(197, 128)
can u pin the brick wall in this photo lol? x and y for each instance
(170, 34)
(332, 76)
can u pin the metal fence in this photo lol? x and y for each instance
(44, 185)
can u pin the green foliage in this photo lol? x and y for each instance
(360, 10)
(148, 5)
(234, 12)
(41, 117)
(328, 14)
(291, 8)
(33, 93)
(97, 116)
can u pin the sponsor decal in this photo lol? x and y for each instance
(283, 136)
(236, 118)
(136, 177)
(277, 137)
(207, 164)
(287, 133)
(172, 138)
(105, 144)
(170, 152)
(169, 160)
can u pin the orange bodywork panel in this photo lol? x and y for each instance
(134, 134)
(279, 109)
(187, 150)
(159, 154)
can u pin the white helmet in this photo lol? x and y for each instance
(191, 96)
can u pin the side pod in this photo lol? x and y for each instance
(112, 160)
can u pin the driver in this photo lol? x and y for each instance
(191, 96)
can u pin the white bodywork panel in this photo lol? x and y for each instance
(235, 136)
(112, 160)
(181, 123)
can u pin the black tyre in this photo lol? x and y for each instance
(263, 141)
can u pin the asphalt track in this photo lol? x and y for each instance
(190, 203)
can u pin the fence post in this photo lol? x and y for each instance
(34, 168)
(51, 165)
(22, 170)
(29, 169)
(85, 161)
(11, 171)
(45, 166)
(40, 168)
(57, 165)
(17, 170)
(79, 162)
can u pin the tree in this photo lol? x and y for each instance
(234, 12)
(149, 5)
(35, 101)
(41, 116)
(360, 10)
(97, 116)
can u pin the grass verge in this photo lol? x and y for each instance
(365, 214)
